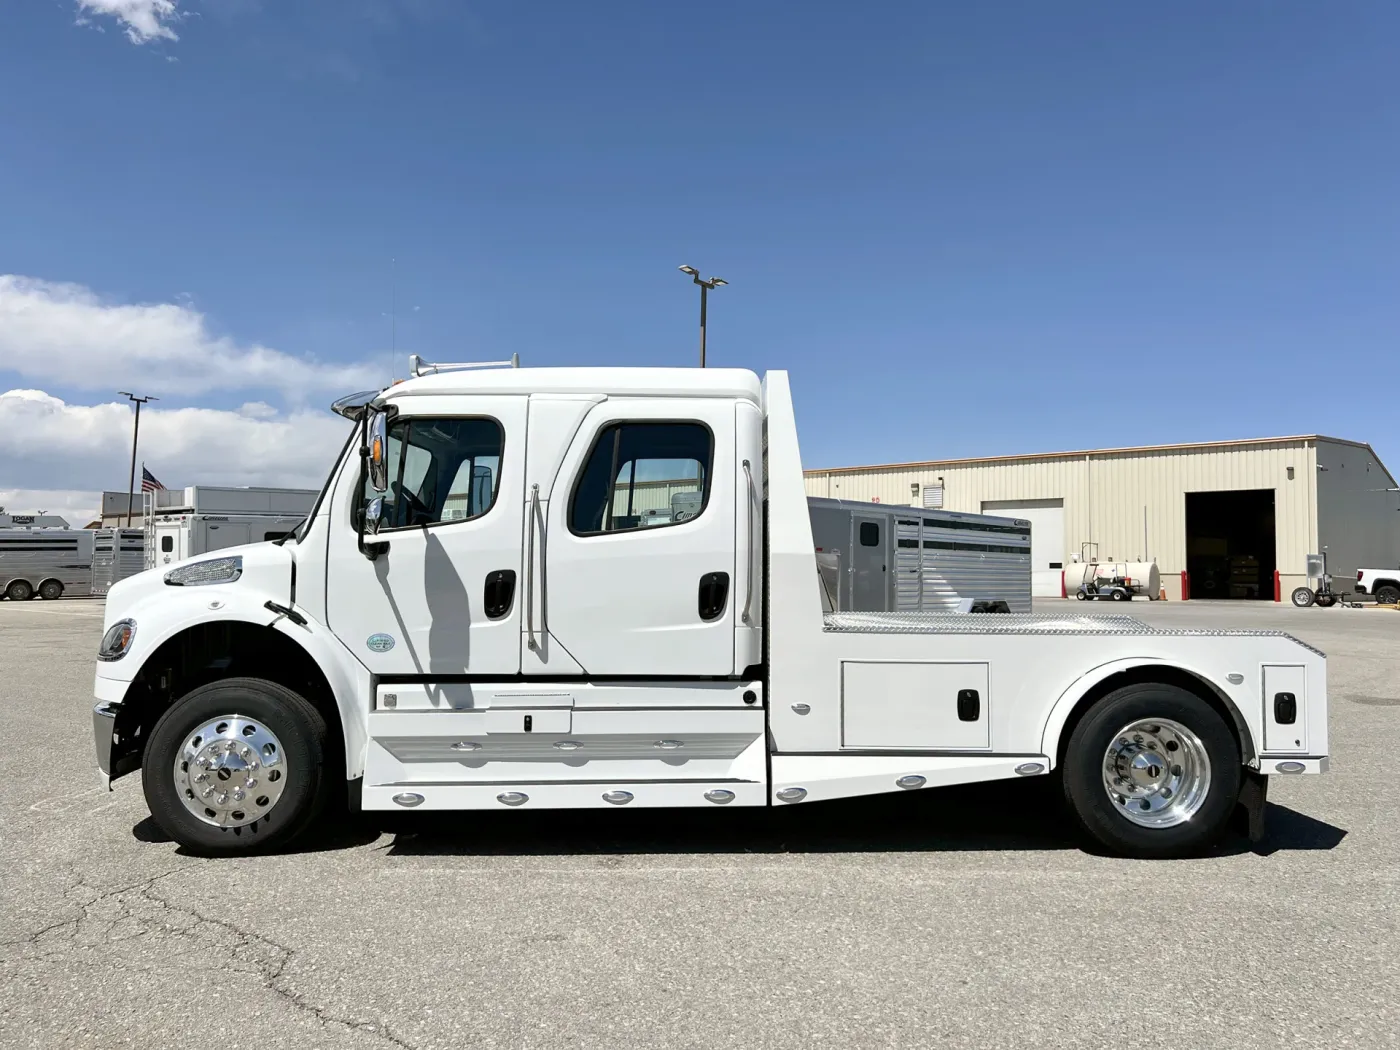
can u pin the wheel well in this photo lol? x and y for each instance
(1159, 675)
(208, 652)
(1386, 582)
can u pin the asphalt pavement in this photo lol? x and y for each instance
(965, 917)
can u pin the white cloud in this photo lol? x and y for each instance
(87, 448)
(144, 20)
(65, 333)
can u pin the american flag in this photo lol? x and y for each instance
(148, 481)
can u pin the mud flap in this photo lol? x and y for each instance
(1249, 812)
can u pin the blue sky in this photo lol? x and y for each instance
(966, 228)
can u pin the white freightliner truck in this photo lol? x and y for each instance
(475, 617)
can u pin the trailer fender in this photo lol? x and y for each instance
(170, 612)
(1068, 700)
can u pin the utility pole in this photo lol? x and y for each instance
(135, 436)
(705, 286)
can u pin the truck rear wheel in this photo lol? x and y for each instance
(19, 591)
(1152, 771)
(236, 767)
(1387, 594)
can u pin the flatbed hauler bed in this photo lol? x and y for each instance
(481, 614)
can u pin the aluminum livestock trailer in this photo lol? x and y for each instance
(891, 557)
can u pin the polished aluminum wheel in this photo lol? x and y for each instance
(231, 771)
(1157, 772)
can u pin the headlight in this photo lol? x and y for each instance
(117, 640)
(215, 570)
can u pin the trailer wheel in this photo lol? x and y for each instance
(19, 591)
(1326, 601)
(236, 767)
(51, 590)
(1152, 771)
(1303, 597)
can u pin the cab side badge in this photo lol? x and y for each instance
(379, 643)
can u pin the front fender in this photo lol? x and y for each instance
(1064, 706)
(162, 615)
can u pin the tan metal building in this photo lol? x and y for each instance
(1219, 518)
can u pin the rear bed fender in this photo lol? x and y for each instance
(160, 621)
(1064, 707)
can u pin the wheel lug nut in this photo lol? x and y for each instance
(237, 795)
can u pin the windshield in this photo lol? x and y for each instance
(304, 526)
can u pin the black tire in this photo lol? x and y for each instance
(1080, 595)
(1120, 595)
(1388, 594)
(300, 728)
(1326, 601)
(19, 591)
(51, 590)
(1303, 597)
(1101, 819)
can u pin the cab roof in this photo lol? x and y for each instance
(618, 382)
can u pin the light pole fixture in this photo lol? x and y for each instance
(705, 286)
(135, 435)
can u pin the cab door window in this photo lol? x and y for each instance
(643, 475)
(440, 470)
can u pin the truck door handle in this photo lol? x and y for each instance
(714, 595)
(499, 594)
(1285, 709)
(969, 705)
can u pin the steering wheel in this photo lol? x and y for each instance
(419, 513)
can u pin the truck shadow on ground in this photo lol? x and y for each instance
(1015, 815)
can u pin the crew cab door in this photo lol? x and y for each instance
(444, 599)
(634, 546)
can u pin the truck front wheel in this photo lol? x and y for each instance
(1152, 771)
(236, 767)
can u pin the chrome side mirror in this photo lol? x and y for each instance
(374, 512)
(378, 452)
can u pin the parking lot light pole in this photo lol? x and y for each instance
(705, 286)
(135, 436)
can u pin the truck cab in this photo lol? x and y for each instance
(598, 588)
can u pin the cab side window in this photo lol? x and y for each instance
(440, 470)
(643, 475)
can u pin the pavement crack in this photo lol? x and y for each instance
(130, 923)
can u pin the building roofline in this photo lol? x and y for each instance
(1081, 453)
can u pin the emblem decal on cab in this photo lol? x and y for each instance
(379, 643)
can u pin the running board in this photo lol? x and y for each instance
(565, 795)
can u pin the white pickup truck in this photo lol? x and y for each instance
(1382, 584)
(480, 613)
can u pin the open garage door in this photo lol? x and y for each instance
(1230, 544)
(1047, 518)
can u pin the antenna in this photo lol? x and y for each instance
(393, 315)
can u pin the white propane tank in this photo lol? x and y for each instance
(1145, 577)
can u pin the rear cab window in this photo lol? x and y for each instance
(643, 475)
